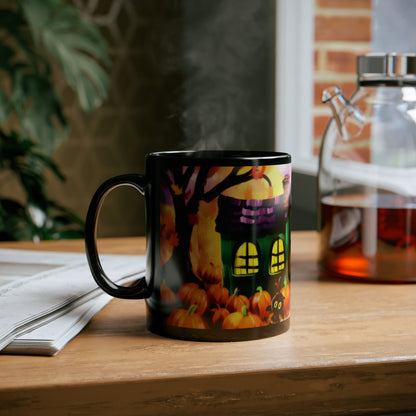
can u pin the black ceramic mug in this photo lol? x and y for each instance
(218, 243)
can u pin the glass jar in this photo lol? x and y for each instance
(367, 174)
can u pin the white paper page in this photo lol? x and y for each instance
(51, 334)
(59, 280)
(50, 338)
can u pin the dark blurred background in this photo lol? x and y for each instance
(184, 74)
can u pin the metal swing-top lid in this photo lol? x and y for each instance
(387, 68)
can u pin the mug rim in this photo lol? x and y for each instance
(223, 157)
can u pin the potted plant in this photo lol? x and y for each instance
(37, 38)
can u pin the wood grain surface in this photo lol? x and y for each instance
(351, 349)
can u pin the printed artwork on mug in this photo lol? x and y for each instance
(228, 228)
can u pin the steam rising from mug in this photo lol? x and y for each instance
(227, 64)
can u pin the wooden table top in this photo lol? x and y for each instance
(351, 349)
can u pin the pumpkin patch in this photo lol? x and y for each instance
(212, 306)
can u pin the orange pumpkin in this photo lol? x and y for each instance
(187, 318)
(236, 302)
(197, 297)
(191, 294)
(260, 301)
(286, 303)
(186, 289)
(243, 319)
(218, 294)
(218, 315)
(167, 295)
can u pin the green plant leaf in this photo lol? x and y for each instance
(16, 36)
(61, 32)
(4, 107)
(28, 165)
(10, 20)
(38, 108)
(6, 54)
(14, 222)
(34, 33)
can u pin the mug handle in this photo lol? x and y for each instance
(140, 289)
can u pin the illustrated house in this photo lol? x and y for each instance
(254, 243)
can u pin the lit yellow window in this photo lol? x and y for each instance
(277, 262)
(246, 259)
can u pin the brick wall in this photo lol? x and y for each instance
(342, 32)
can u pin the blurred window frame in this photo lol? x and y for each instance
(294, 83)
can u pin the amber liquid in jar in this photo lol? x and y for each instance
(369, 237)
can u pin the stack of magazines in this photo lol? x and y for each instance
(46, 298)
